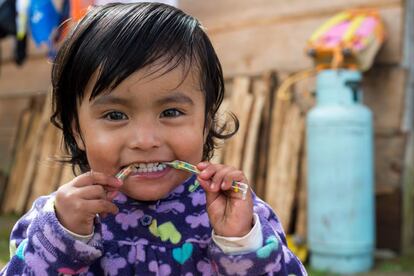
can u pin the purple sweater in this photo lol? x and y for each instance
(171, 236)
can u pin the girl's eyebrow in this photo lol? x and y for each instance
(109, 99)
(177, 97)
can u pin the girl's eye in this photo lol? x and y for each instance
(172, 112)
(115, 116)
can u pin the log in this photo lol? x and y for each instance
(33, 156)
(240, 104)
(221, 117)
(11, 111)
(301, 218)
(66, 176)
(270, 79)
(250, 153)
(25, 143)
(48, 170)
(282, 174)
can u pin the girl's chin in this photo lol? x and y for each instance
(144, 194)
(148, 191)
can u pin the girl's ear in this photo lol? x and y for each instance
(78, 137)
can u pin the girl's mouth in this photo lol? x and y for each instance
(148, 167)
(143, 170)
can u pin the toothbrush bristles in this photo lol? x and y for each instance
(124, 172)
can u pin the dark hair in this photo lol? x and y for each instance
(116, 40)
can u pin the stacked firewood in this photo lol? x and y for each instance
(36, 168)
(269, 148)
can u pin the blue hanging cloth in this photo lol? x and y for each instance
(43, 20)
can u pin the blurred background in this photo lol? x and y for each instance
(273, 59)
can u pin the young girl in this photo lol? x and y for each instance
(140, 84)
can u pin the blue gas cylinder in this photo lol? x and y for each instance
(340, 175)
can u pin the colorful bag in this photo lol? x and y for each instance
(350, 39)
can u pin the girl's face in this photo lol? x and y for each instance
(145, 120)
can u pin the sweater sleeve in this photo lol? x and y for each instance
(272, 258)
(40, 246)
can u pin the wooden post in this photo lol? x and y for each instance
(270, 80)
(282, 172)
(48, 171)
(30, 124)
(301, 219)
(249, 159)
(29, 173)
(240, 104)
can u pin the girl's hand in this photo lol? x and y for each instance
(229, 215)
(78, 201)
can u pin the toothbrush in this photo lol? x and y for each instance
(125, 172)
(238, 187)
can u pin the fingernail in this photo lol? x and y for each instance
(223, 184)
(212, 186)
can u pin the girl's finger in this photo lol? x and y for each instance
(205, 184)
(219, 176)
(96, 192)
(234, 175)
(209, 171)
(202, 165)
(93, 177)
(92, 192)
(211, 196)
(100, 206)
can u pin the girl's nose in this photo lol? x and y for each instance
(145, 136)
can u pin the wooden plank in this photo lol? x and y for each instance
(249, 154)
(282, 174)
(35, 73)
(15, 185)
(48, 171)
(388, 220)
(10, 112)
(22, 132)
(214, 14)
(66, 176)
(35, 139)
(251, 49)
(221, 117)
(389, 160)
(240, 104)
(279, 112)
(271, 80)
(384, 91)
(8, 148)
(301, 219)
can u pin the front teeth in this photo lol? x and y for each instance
(149, 167)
